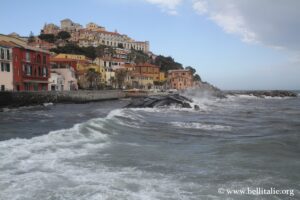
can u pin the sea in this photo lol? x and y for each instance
(239, 147)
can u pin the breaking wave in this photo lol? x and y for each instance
(202, 126)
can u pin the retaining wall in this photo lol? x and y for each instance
(14, 99)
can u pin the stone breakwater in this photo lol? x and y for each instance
(263, 94)
(16, 99)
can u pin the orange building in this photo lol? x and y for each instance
(180, 79)
(148, 70)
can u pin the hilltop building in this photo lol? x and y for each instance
(50, 29)
(95, 35)
(69, 25)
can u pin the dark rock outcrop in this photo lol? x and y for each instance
(263, 94)
(159, 101)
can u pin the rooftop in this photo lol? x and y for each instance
(17, 42)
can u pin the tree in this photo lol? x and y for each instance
(120, 77)
(193, 70)
(197, 77)
(64, 35)
(73, 48)
(100, 51)
(138, 56)
(89, 52)
(167, 63)
(31, 37)
(110, 51)
(47, 37)
(93, 78)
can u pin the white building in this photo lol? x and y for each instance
(70, 81)
(56, 82)
(6, 68)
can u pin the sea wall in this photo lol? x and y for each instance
(15, 99)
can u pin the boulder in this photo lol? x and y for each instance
(159, 101)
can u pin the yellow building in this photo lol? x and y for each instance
(162, 76)
(71, 56)
(140, 81)
(99, 69)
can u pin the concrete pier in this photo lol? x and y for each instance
(15, 99)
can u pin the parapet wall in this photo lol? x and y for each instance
(14, 99)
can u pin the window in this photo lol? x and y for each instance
(27, 86)
(44, 59)
(44, 72)
(2, 87)
(35, 87)
(28, 70)
(2, 53)
(28, 56)
(2, 67)
(7, 55)
(7, 67)
(38, 59)
(44, 87)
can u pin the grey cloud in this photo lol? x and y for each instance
(271, 22)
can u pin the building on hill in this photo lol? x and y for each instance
(97, 68)
(38, 43)
(72, 56)
(50, 29)
(95, 35)
(180, 79)
(94, 27)
(148, 69)
(30, 66)
(69, 25)
(71, 60)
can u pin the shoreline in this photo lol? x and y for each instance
(10, 99)
(20, 99)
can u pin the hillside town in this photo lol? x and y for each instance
(73, 57)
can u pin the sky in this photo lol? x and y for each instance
(233, 44)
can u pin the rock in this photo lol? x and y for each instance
(159, 101)
(263, 94)
(196, 107)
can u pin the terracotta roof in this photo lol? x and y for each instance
(141, 75)
(20, 43)
(179, 70)
(7, 44)
(118, 60)
(128, 65)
